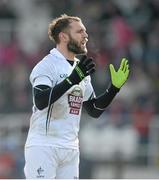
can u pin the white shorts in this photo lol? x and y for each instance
(50, 163)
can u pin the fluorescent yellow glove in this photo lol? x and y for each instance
(119, 78)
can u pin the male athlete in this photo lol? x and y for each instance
(61, 86)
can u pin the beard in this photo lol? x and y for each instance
(75, 47)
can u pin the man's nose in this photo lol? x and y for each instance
(86, 35)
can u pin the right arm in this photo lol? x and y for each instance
(44, 94)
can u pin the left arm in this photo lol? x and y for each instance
(96, 106)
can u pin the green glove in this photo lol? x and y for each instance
(119, 78)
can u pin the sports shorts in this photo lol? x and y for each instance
(51, 162)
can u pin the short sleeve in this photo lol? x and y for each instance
(42, 80)
(44, 73)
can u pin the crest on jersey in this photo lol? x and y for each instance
(40, 172)
(75, 99)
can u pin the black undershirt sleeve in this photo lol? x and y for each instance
(96, 106)
(43, 94)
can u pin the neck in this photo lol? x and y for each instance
(67, 54)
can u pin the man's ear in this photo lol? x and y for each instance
(63, 37)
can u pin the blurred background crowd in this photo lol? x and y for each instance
(125, 139)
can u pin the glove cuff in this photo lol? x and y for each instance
(113, 89)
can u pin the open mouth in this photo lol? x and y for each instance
(83, 43)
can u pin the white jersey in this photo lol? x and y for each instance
(65, 117)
